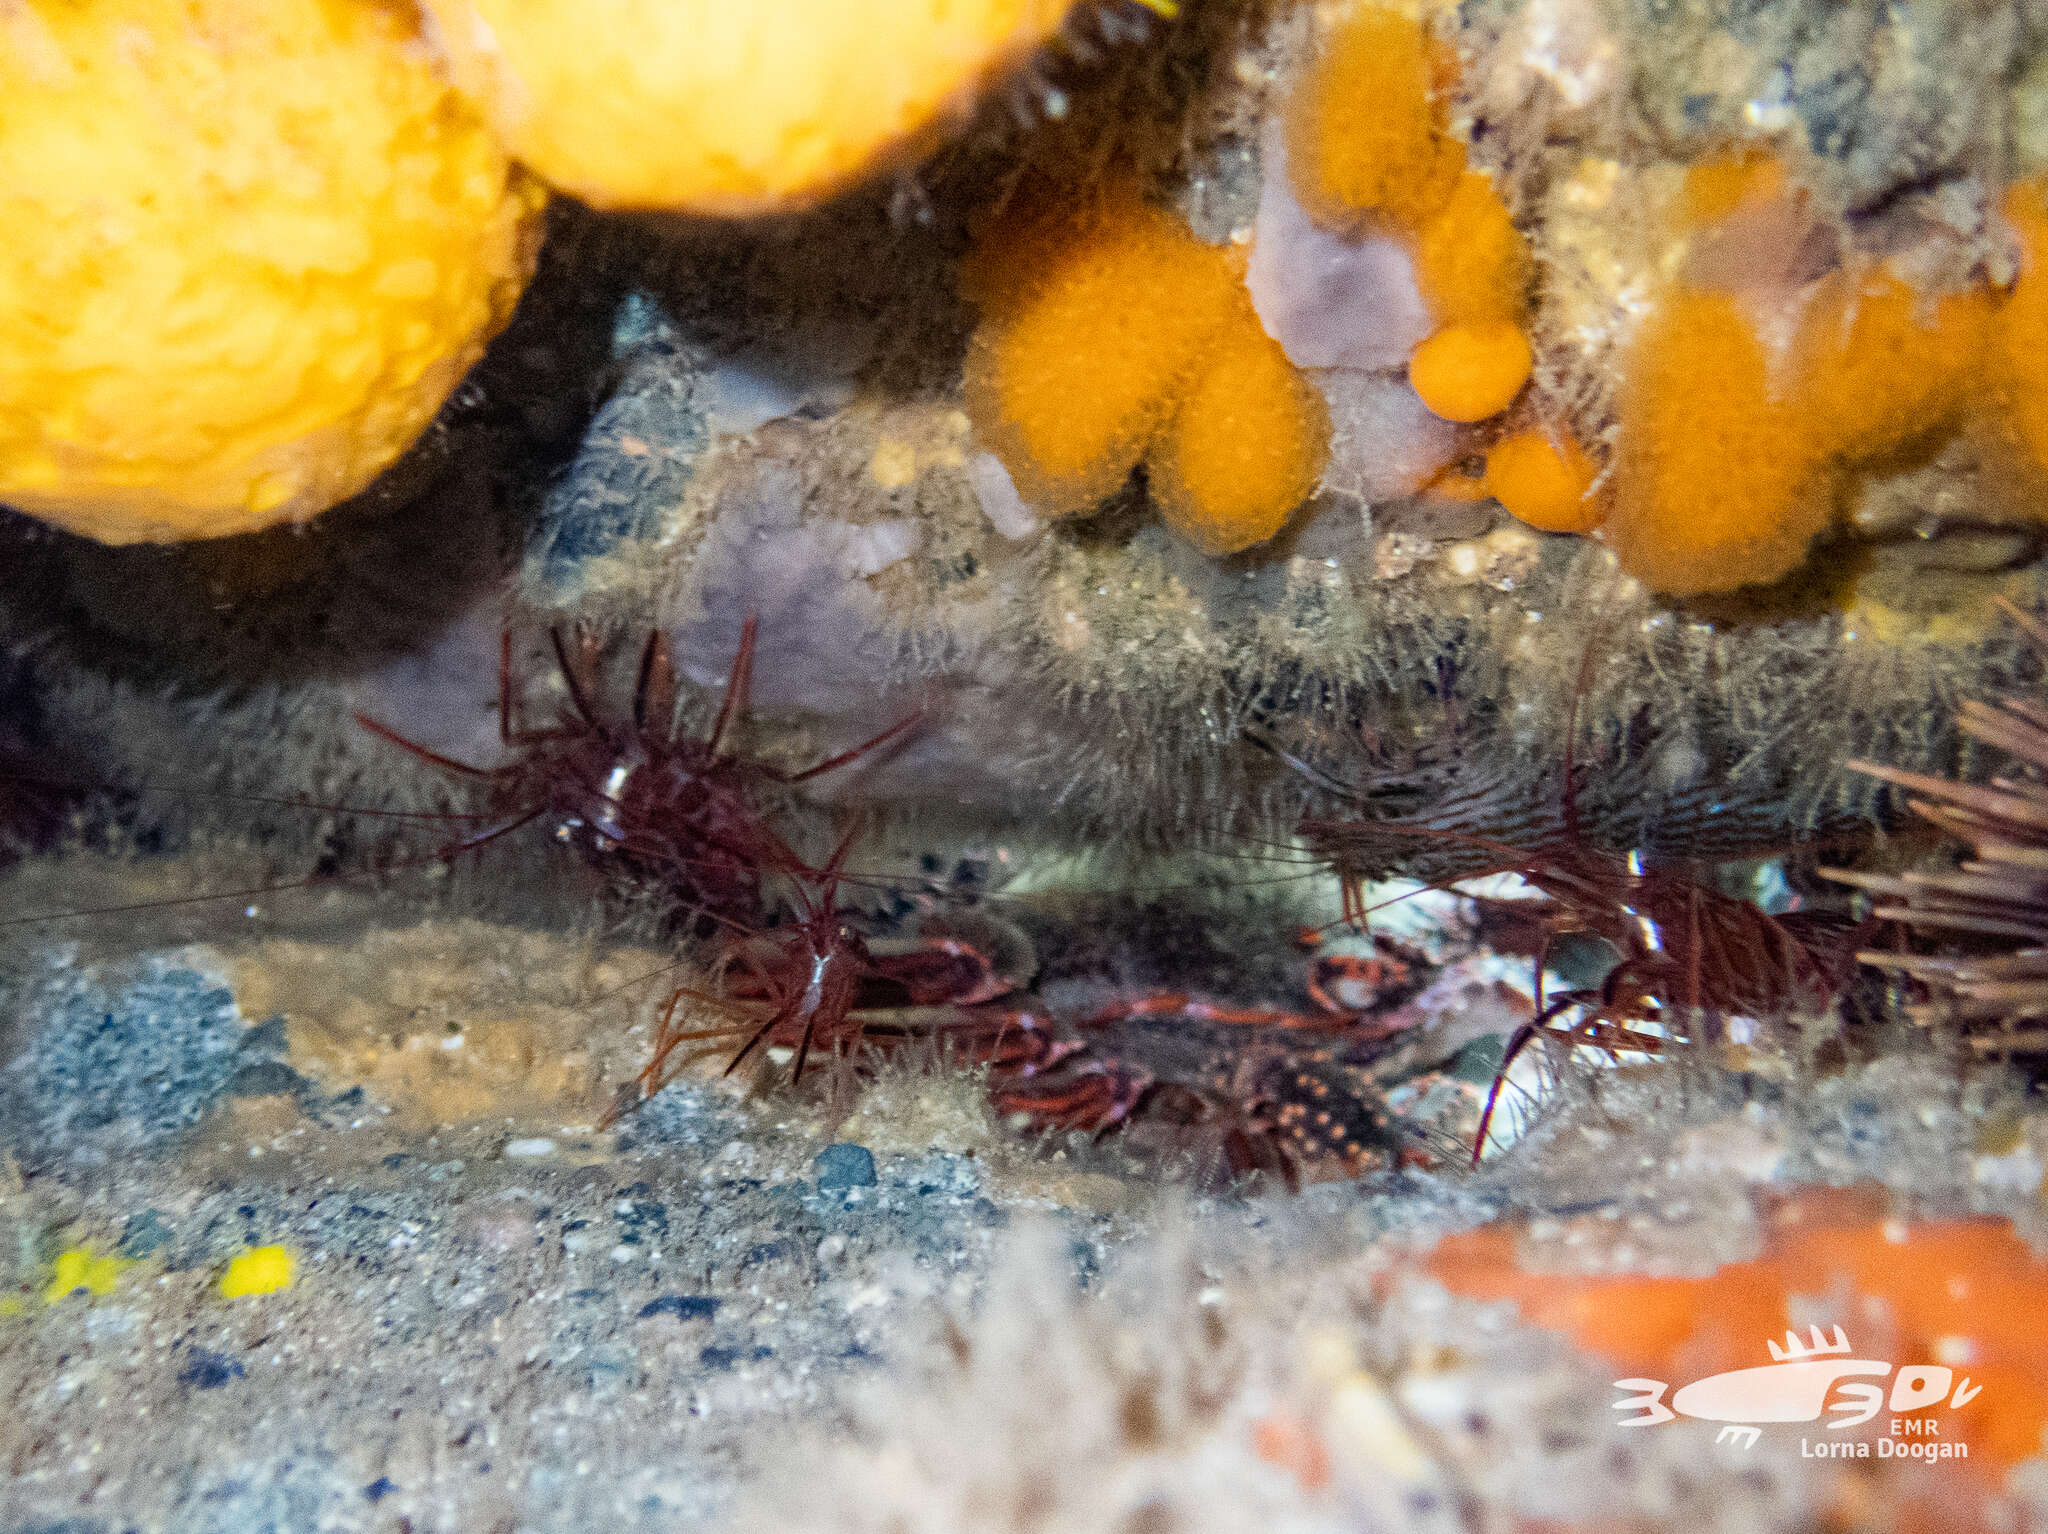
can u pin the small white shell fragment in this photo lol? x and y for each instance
(1368, 1433)
(529, 1148)
(872, 547)
(1000, 502)
(2017, 1171)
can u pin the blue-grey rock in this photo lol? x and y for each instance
(142, 1234)
(845, 1166)
(208, 1370)
(121, 1069)
(685, 1307)
(636, 458)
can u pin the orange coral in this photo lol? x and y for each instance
(1964, 1291)
(1879, 364)
(1735, 451)
(1545, 481)
(1471, 262)
(1016, 252)
(1114, 333)
(1734, 455)
(1718, 187)
(1717, 480)
(1722, 477)
(1731, 464)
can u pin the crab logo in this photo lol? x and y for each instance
(1795, 1387)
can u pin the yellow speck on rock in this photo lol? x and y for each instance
(260, 1270)
(80, 1267)
(894, 464)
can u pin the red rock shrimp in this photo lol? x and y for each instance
(636, 796)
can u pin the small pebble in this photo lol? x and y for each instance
(143, 1233)
(265, 1078)
(685, 1307)
(845, 1166)
(536, 1146)
(208, 1370)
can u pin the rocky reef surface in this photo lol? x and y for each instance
(1258, 467)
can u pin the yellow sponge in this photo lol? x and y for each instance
(260, 1270)
(251, 246)
(81, 1267)
(725, 106)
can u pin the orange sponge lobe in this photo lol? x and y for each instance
(1717, 482)
(1470, 260)
(1544, 481)
(1364, 131)
(1093, 328)
(1879, 364)
(1246, 449)
(2019, 354)
(1368, 142)
(1113, 337)
(1469, 372)
(1718, 187)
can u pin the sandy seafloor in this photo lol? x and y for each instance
(774, 1311)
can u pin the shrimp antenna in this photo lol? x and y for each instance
(908, 722)
(657, 678)
(737, 685)
(1308, 770)
(577, 697)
